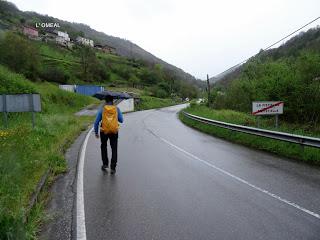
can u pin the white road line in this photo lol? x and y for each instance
(81, 222)
(316, 215)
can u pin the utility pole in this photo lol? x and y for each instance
(208, 88)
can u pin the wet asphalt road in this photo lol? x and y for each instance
(163, 191)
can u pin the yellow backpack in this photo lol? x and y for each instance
(110, 119)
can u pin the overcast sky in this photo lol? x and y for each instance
(202, 36)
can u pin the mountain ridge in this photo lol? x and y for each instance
(309, 39)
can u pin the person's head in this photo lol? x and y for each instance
(109, 99)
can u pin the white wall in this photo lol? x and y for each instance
(70, 88)
(64, 35)
(85, 41)
(126, 105)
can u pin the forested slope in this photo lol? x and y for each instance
(290, 73)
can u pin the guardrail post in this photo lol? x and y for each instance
(301, 146)
(232, 132)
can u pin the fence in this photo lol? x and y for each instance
(88, 90)
(287, 137)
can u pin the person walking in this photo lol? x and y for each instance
(109, 116)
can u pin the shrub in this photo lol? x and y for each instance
(294, 81)
(55, 74)
(20, 55)
(12, 83)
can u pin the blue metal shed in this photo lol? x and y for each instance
(88, 90)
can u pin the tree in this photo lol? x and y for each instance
(134, 80)
(170, 77)
(187, 90)
(148, 77)
(88, 61)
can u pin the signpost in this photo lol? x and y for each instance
(20, 103)
(268, 108)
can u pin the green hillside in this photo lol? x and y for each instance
(290, 73)
(40, 61)
(11, 16)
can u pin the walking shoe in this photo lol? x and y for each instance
(112, 171)
(104, 167)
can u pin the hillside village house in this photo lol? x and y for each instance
(98, 46)
(49, 35)
(109, 49)
(30, 32)
(61, 38)
(85, 41)
(105, 48)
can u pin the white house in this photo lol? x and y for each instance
(85, 41)
(59, 37)
(62, 38)
(63, 35)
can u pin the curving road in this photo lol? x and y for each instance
(176, 183)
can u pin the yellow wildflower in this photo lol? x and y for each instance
(4, 133)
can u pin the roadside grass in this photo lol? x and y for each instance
(148, 102)
(293, 151)
(26, 153)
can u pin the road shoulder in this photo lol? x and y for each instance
(60, 208)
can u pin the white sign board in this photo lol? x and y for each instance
(267, 108)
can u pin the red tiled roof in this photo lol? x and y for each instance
(30, 28)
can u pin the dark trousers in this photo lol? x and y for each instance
(104, 150)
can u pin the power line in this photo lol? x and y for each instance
(270, 46)
(292, 33)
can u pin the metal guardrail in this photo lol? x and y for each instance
(287, 137)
